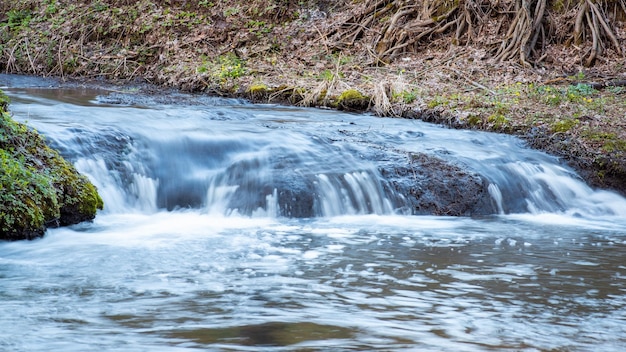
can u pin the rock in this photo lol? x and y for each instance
(38, 188)
(435, 187)
(422, 184)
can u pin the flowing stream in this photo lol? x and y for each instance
(238, 227)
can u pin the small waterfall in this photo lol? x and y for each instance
(224, 177)
(496, 195)
(139, 194)
(230, 159)
(541, 187)
(352, 193)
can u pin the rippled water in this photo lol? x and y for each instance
(183, 280)
(144, 278)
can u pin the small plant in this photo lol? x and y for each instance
(17, 19)
(223, 67)
(327, 75)
(438, 101)
(561, 126)
(498, 121)
(405, 96)
(231, 66)
(51, 7)
(99, 6)
(258, 27)
(474, 120)
(616, 89)
(578, 76)
(580, 92)
(231, 11)
(548, 95)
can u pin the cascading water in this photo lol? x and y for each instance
(225, 172)
(229, 226)
(238, 159)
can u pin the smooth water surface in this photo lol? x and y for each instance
(183, 259)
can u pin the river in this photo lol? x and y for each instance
(209, 242)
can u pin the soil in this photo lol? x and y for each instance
(566, 97)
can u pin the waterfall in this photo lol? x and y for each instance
(227, 158)
(541, 187)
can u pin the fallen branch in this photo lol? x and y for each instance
(602, 85)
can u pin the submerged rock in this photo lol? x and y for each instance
(38, 188)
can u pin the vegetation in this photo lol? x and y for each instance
(38, 189)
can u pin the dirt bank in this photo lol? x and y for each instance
(561, 89)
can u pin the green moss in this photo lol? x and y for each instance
(4, 101)
(27, 198)
(258, 88)
(257, 91)
(564, 125)
(38, 188)
(351, 94)
(352, 99)
(609, 141)
(614, 146)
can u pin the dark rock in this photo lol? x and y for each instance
(433, 186)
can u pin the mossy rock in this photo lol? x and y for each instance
(352, 100)
(258, 88)
(38, 188)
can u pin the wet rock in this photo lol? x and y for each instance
(433, 186)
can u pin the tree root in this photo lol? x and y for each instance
(524, 31)
(392, 28)
(592, 17)
(396, 27)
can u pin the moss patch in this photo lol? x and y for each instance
(561, 126)
(352, 100)
(38, 188)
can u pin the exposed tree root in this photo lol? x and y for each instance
(395, 27)
(592, 16)
(524, 31)
(519, 30)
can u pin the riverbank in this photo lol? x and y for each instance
(293, 54)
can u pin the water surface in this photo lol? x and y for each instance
(177, 261)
